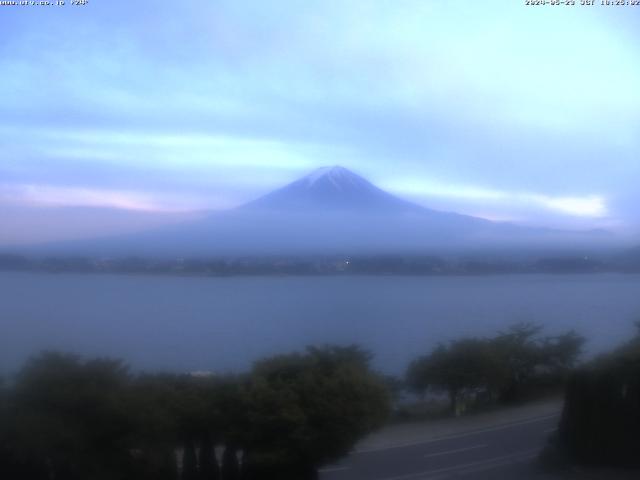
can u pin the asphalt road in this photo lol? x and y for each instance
(505, 451)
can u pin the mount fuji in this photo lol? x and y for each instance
(331, 210)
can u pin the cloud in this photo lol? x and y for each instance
(593, 206)
(55, 196)
(495, 204)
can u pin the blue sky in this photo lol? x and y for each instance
(488, 108)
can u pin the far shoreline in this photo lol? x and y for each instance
(411, 265)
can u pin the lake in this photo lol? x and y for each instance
(223, 324)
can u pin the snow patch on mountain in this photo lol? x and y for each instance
(336, 175)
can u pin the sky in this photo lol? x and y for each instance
(156, 110)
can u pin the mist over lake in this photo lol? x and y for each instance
(223, 324)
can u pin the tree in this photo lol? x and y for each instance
(189, 462)
(503, 367)
(561, 352)
(8, 460)
(462, 367)
(230, 466)
(209, 469)
(153, 404)
(519, 352)
(527, 356)
(70, 416)
(308, 409)
(601, 417)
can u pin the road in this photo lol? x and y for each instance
(494, 452)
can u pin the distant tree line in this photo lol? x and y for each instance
(65, 418)
(506, 368)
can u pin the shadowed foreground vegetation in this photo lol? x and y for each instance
(65, 418)
(601, 418)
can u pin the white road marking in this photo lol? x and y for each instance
(468, 467)
(457, 435)
(333, 469)
(457, 450)
(490, 464)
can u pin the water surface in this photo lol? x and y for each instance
(220, 324)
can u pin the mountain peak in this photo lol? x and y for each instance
(336, 177)
(331, 188)
(334, 173)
